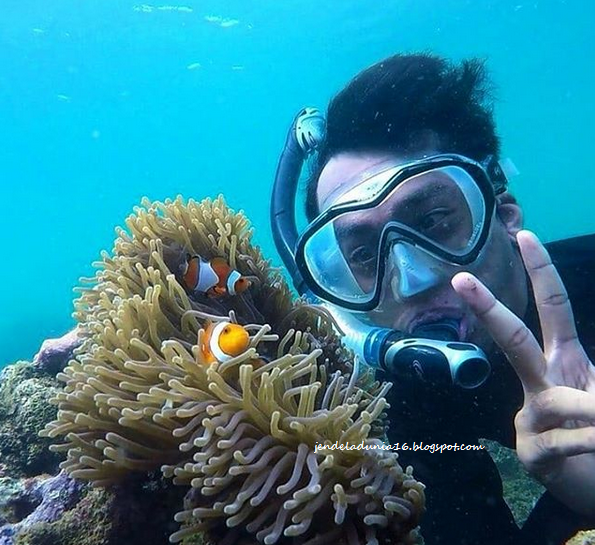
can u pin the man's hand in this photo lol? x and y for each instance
(556, 426)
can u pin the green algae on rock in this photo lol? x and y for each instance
(583, 538)
(521, 491)
(25, 409)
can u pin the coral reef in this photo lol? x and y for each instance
(25, 408)
(239, 434)
(63, 510)
(25, 392)
(35, 500)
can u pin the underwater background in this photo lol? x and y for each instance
(105, 101)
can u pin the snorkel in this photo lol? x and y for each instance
(432, 354)
(304, 135)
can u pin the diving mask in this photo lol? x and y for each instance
(400, 231)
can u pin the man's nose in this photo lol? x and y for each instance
(411, 271)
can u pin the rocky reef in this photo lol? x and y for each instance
(150, 428)
(25, 392)
(521, 491)
(583, 538)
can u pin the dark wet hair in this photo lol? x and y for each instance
(397, 104)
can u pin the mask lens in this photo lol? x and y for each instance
(441, 211)
(444, 207)
(330, 270)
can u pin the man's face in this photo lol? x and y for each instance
(499, 265)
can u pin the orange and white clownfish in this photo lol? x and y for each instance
(223, 340)
(214, 277)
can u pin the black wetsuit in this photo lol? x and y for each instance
(464, 490)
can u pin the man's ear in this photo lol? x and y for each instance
(509, 213)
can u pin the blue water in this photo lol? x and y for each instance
(103, 102)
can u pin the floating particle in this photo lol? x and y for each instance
(221, 21)
(145, 8)
(229, 23)
(180, 9)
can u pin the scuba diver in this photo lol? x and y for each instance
(415, 245)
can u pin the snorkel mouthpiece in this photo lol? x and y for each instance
(432, 354)
(443, 330)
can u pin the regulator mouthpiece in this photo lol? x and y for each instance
(432, 355)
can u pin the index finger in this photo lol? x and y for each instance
(510, 333)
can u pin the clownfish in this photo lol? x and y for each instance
(223, 340)
(214, 277)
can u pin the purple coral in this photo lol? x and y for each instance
(54, 354)
(49, 498)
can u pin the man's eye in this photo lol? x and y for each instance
(432, 219)
(361, 256)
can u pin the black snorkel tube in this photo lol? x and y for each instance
(433, 355)
(306, 132)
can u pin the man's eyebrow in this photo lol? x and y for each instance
(411, 200)
(354, 229)
(420, 196)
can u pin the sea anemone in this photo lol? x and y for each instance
(242, 433)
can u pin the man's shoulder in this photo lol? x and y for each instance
(574, 259)
(573, 252)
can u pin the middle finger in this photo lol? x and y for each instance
(551, 298)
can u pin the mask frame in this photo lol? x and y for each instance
(490, 185)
